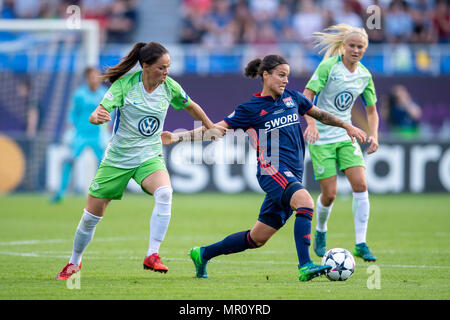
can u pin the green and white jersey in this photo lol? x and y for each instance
(336, 91)
(140, 119)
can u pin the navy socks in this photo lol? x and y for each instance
(234, 243)
(241, 241)
(302, 233)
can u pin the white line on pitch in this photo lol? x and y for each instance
(30, 242)
(228, 261)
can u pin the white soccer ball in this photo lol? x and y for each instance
(342, 264)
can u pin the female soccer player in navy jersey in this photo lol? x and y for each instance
(272, 112)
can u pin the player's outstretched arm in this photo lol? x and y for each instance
(100, 115)
(198, 134)
(329, 119)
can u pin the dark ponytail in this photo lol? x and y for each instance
(251, 71)
(257, 66)
(142, 52)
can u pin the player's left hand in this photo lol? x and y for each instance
(373, 145)
(355, 133)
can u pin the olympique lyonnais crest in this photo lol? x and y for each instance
(148, 126)
(289, 102)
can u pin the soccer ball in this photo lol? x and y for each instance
(342, 264)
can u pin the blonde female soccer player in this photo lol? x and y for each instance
(135, 148)
(338, 80)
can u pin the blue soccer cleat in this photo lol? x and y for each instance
(320, 243)
(362, 250)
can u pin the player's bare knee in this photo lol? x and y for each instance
(359, 187)
(304, 202)
(327, 197)
(302, 198)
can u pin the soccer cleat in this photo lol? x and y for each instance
(320, 243)
(362, 250)
(200, 265)
(310, 270)
(154, 263)
(68, 271)
(56, 198)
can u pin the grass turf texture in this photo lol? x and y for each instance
(408, 233)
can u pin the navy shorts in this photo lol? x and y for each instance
(279, 186)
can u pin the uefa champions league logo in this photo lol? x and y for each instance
(343, 100)
(148, 126)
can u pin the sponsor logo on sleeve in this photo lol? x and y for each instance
(184, 95)
(109, 95)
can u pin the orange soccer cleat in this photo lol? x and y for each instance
(68, 271)
(154, 263)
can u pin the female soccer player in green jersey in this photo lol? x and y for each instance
(135, 149)
(338, 80)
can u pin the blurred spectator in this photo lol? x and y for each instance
(97, 10)
(258, 7)
(282, 18)
(243, 23)
(290, 4)
(350, 14)
(219, 25)
(265, 34)
(282, 24)
(308, 20)
(51, 9)
(422, 21)
(229, 22)
(27, 9)
(193, 23)
(399, 25)
(25, 98)
(121, 21)
(62, 8)
(7, 9)
(441, 20)
(403, 113)
(202, 7)
(293, 21)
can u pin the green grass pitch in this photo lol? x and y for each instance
(408, 233)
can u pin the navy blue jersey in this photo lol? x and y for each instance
(274, 129)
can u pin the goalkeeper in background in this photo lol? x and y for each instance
(82, 133)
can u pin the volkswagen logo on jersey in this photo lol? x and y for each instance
(148, 126)
(343, 100)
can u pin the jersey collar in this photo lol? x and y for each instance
(259, 96)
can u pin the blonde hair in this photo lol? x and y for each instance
(332, 40)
